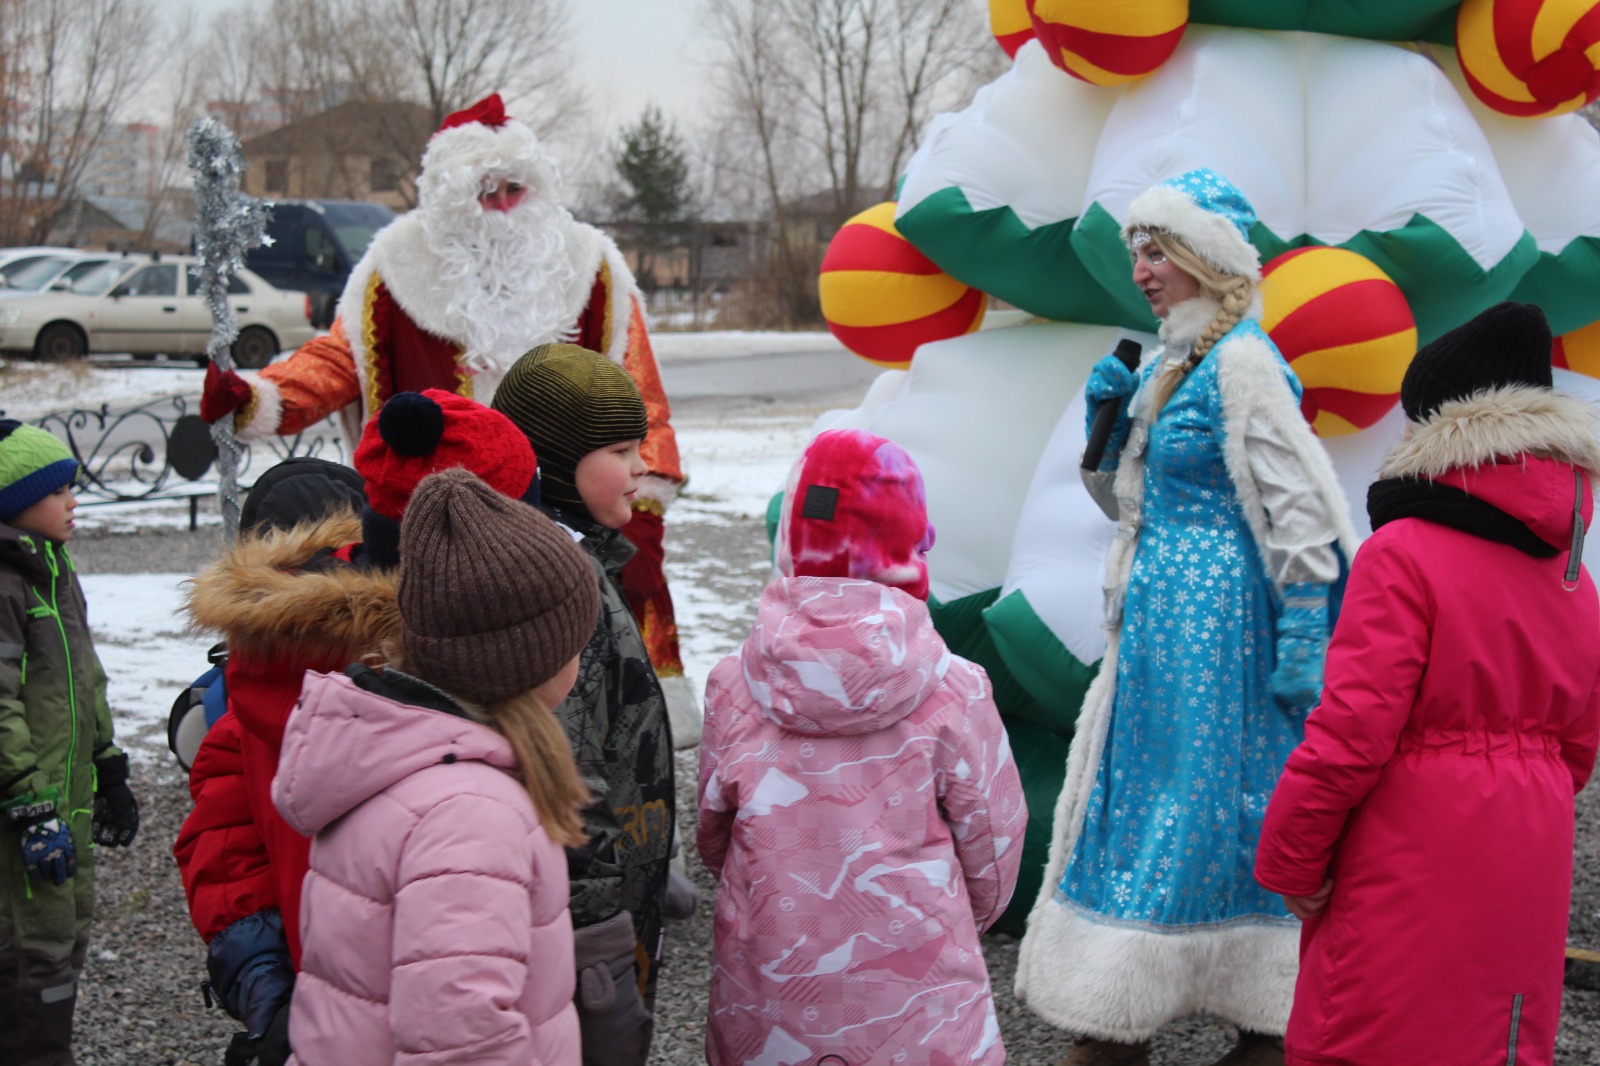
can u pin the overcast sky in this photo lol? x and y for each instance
(629, 51)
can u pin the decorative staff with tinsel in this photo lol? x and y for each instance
(228, 223)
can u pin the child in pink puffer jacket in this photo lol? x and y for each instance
(858, 800)
(434, 918)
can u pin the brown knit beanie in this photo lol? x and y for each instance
(495, 598)
(569, 401)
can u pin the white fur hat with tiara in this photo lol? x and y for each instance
(1207, 213)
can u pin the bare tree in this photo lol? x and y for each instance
(67, 67)
(830, 96)
(941, 52)
(299, 58)
(452, 52)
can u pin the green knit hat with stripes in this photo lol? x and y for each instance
(33, 464)
(569, 402)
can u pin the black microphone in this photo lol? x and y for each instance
(1128, 351)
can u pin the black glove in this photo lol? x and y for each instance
(250, 972)
(116, 812)
(271, 1048)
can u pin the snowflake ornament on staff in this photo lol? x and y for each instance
(227, 224)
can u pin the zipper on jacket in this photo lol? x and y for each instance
(1516, 1023)
(54, 606)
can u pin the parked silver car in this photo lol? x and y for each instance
(50, 273)
(151, 306)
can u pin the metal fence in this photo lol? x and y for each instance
(162, 450)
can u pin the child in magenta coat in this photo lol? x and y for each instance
(1423, 831)
(859, 805)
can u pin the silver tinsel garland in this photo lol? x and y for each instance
(227, 224)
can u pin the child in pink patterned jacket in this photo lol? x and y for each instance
(858, 800)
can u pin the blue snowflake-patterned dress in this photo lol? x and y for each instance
(1196, 740)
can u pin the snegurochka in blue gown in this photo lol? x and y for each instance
(1197, 739)
(1231, 524)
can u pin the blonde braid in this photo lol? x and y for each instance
(1235, 302)
(1232, 291)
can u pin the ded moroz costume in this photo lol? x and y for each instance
(449, 296)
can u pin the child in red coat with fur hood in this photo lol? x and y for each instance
(313, 597)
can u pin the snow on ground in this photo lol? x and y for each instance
(736, 466)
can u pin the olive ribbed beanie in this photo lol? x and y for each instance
(495, 598)
(569, 402)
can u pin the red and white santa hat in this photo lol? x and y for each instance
(855, 507)
(479, 142)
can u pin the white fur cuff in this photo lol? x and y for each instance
(267, 414)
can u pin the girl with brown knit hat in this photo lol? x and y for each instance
(438, 792)
(311, 597)
(586, 421)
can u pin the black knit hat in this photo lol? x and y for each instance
(569, 401)
(494, 597)
(1509, 344)
(299, 489)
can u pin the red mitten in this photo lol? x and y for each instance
(224, 393)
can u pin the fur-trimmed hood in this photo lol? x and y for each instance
(1500, 423)
(265, 605)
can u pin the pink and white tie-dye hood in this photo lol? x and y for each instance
(841, 657)
(855, 507)
(863, 814)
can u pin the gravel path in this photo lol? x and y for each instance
(141, 1002)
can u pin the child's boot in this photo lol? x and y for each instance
(1088, 1051)
(1254, 1049)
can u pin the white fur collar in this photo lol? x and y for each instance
(1498, 423)
(1186, 321)
(399, 253)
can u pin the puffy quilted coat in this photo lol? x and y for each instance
(280, 619)
(1435, 784)
(862, 812)
(434, 917)
(54, 724)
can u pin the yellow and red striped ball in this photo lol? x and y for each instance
(1531, 58)
(1345, 328)
(1579, 351)
(882, 298)
(1109, 42)
(1011, 24)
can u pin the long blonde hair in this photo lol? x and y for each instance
(544, 756)
(1233, 291)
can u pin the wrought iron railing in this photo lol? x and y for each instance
(162, 450)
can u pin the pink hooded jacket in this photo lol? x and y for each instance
(434, 918)
(1435, 785)
(862, 812)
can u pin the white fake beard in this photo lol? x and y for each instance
(508, 277)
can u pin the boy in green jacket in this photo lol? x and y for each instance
(62, 781)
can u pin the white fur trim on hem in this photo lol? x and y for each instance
(661, 490)
(263, 423)
(1120, 983)
(1209, 235)
(683, 712)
